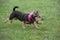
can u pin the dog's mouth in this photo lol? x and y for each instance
(38, 18)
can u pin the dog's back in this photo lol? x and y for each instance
(17, 14)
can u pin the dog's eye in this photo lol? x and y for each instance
(39, 17)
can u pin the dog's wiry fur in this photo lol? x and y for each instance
(23, 17)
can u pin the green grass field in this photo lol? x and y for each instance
(48, 9)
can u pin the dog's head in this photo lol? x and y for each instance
(37, 16)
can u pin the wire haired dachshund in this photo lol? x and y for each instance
(29, 18)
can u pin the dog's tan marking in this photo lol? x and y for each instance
(23, 25)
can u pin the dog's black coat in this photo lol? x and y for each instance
(20, 16)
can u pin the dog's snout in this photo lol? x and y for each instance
(42, 19)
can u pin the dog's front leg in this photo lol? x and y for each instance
(23, 25)
(35, 25)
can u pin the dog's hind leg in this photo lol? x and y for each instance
(7, 20)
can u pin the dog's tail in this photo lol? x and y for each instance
(15, 8)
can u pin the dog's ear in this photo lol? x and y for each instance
(35, 13)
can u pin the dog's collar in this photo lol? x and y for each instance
(29, 17)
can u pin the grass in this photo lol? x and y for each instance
(50, 28)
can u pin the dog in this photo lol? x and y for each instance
(25, 18)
